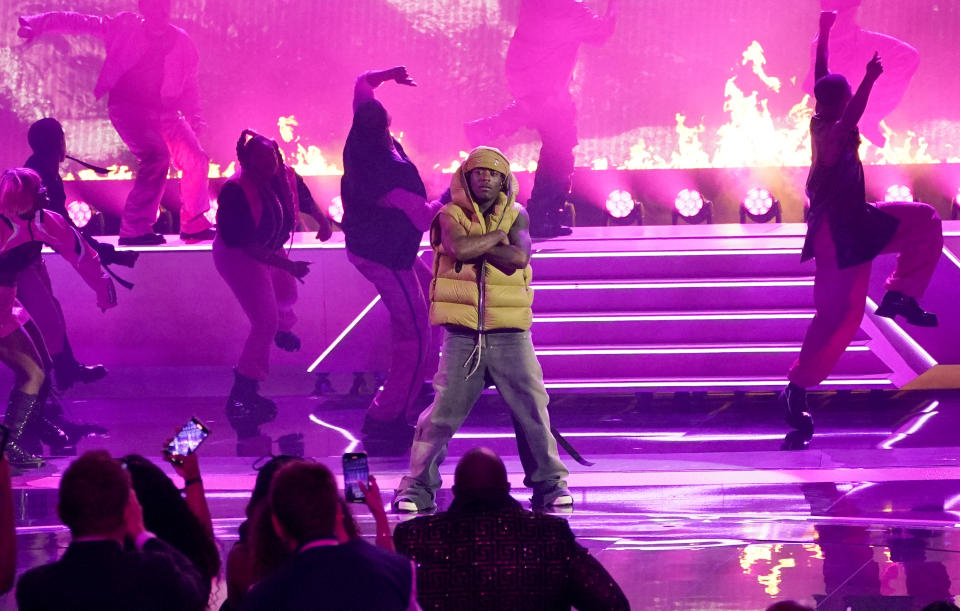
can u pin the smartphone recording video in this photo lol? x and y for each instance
(355, 471)
(188, 438)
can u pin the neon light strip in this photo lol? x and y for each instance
(672, 317)
(669, 437)
(928, 413)
(343, 334)
(353, 441)
(953, 258)
(718, 350)
(709, 384)
(664, 253)
(672, 285)
(892, 324)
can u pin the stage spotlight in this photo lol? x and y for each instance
(692, 208)
(620, 204)
(759, 206)
(898, 193)
(80, 213)
(335, 211)
(955, 211)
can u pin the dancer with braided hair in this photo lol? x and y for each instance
(257, 211)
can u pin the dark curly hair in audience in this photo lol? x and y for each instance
(166, 514)
(94, 492)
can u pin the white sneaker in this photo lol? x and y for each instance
(564, 500)
(407, 506)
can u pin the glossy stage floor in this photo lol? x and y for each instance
(698, 498)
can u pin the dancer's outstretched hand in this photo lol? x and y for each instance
(402, 77)
(875, 67)
(26, 32)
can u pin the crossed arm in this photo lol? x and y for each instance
(508, 252)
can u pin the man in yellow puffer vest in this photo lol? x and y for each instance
(481, 295)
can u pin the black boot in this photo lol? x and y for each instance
(68, 371)
(19, 409)
(895, 302)
(51, 427)
(794, 400)
(246, 409)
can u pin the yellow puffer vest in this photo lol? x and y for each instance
(455, 295)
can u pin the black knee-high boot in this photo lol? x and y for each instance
(246, 408)
(19, 410)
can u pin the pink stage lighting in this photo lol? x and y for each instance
(80, 213)
(335, 211)
(620, 204)
(759, 206)
(689, 203)
(898, 193)
(758, 201)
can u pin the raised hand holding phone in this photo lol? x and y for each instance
(186, 441)
(355, 472)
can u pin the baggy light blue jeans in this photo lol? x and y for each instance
(509, 362)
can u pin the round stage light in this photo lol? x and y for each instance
(689, 203)
(80, 213)
(758, 201)
(956, 200)
(335, 211)
(620, 204)
(898, 193)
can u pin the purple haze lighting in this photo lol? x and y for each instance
(689, 202)
(80, 213)
(758, 201)
(898, 193)
(336, 209)
(620, 204)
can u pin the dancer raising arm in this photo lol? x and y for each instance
(845, 234)
(385, 212)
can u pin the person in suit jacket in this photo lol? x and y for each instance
(487, 552)
(101, 510)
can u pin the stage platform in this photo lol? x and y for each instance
(676, 338)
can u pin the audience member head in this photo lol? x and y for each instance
(305, 503)
(261, 488)
(942, 605)
(94, 492)
(788, 605)
(167, 515)
(479, 474)
(46, 138)
(260, 157)
(21, 192)
(832, 93)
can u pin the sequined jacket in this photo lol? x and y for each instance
(491, 555)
